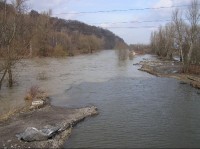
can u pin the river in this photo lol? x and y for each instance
(136, 108)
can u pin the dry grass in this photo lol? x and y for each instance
(9, 109)
(35, 93)
(194, 69)
(8, 114)
(42, 76)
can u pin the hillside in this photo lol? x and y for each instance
(75, 26)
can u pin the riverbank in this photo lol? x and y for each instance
(47, 127)
(171, 69)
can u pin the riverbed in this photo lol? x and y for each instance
(136, 109)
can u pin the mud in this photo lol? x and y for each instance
(171, 69)
(66, 119)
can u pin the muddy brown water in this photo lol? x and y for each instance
(136, 108)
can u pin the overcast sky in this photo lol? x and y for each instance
(130, 35)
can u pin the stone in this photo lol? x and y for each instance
(37, 104)
(136, 64)
(50, 131)
(90, 110)
(9, 141)
(33, 134)
(183, 83)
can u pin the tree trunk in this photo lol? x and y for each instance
(181, 58)
(31, 50)
(189, 56)
(10, 77)
(181, 54)
(2, 78)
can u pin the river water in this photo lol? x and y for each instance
(136, 108)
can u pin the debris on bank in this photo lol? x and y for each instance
(172, 69)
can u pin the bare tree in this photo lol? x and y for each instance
(182, 35)
(162, 41)
(179, 32)
(169, 40)
(193, 16)
(14, 38)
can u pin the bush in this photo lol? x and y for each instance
(59, 51)
(35, 93)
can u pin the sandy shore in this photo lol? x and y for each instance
(39, 118)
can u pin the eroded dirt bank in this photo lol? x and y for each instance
(172, 69)
(56, 117)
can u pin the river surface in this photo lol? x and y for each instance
(136, 109)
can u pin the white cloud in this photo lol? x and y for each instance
(181, 2)
(104, 25)
(169, 3)
(43, 5)
(71, 15)
(166, 13)
(163, 3)
(163, 13)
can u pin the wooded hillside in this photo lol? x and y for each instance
(70, 36)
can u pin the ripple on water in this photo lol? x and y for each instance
(153, 112)
(136, 109)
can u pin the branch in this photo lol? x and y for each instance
(2, 78)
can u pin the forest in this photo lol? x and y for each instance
(180, 37)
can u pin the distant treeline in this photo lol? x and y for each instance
(140, 48)
(181, 36)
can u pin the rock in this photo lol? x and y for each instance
(175, 71)
(183, 83)
(90, 111)
(64, 127)
(50, 131)
(37, 104)
(33, 134)
(9, 141)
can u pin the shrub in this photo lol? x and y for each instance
(59, 51)
(32, 93)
